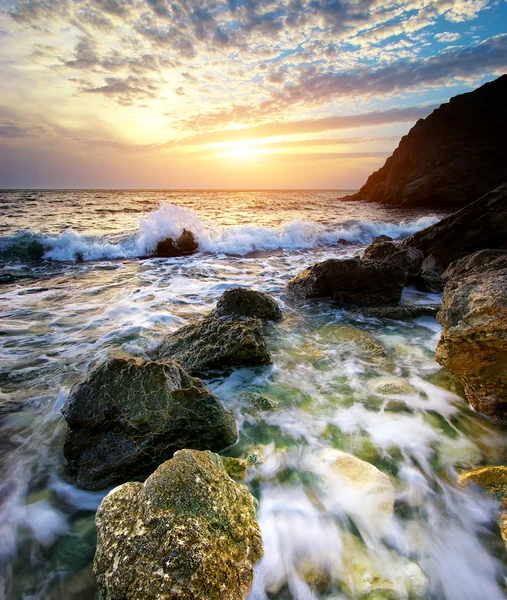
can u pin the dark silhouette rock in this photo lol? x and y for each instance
(215, 343)
(350, 281)
(482, 224)
(473, 344)
(189, 533)
(129, 416)
(185, 244)
(241, 302)
(449, 159)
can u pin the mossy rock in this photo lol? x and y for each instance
(189, 532)
(235, 467)
(493, 480)
(242, 302)
(215, 343)
(258, 403)
(128, 416)
(450, 382)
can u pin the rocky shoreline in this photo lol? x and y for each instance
(132, 416)
(181, 524)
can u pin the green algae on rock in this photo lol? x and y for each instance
(235, 467)
(242, 302)
(188, 533)
(130, 415)
(215, 343)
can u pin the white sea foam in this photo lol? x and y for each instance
(170, 220)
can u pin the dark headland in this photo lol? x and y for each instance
(450, 158)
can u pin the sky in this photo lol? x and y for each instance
(200, 94)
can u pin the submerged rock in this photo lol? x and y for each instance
(359, 342)
(215, 343)
(185, 244)
(376, 576)
(400, 312)
(189, 532)
(350, 281)
(473, 344)
(130, 415)
(357, 479)
(451, 157)
(240, 302)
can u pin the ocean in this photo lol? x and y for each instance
(77, 287)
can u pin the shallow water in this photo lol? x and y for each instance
(368, 394)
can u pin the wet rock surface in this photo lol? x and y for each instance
(242, 302)
(437, 163)
(473, 344)
(189, 533)
(215, 343)
(184, 244)
(400, 312)
(129, 416)
(351, 281)
(406, 259)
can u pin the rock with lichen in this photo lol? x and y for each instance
(242, 302)
(128, 416)
(188, 533)
(473, 344)
(215, 343)
(492, 480)
(235, 467)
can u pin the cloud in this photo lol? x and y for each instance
(309, 126)
(10, 128)
(125, 90)
(446, 36)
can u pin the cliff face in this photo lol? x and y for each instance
(455, 155)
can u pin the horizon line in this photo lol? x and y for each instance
(118, 189)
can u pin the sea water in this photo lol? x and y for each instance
(91, 293)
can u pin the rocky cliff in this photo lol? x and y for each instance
(455, 155)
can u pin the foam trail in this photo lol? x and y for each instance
(170, 220)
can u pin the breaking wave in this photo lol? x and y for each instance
(170, 220)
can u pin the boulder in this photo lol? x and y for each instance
(478, 226)
(189, 532)
(129, 416)
(451, 157)
(350, 281)
(184, 244)
(406, 259)
(473, 344)
(241, 302)
(215, 343)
